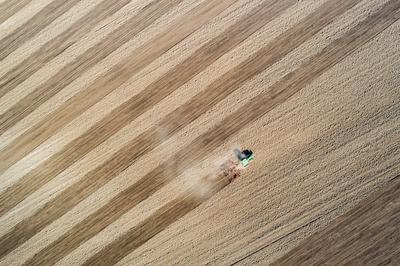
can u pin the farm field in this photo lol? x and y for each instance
(368, 234)
(115, 117)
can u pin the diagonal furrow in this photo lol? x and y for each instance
(215, 48)
(357, 237)
(80, 65)
(11, 7)
(53, 48)
(104, 85)
(204, 144)
(156, 223)
(136, 106)
(148, 140)
(279, 93)
(47, 15)
(154, 180)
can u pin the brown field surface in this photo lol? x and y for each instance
(367, 235)
(116, 115)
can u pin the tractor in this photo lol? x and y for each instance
(231, 168)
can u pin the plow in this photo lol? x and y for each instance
(232, 167)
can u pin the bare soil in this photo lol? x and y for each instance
(115, 117)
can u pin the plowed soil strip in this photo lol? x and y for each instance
(141, 233)
(78, 192)
(148, 140)
(9, 8)
(49, 51)
(80, 65)
(42, 19)
(136, 236)
(333, 54)
(136, 106)
(104, 85)
(259, 106)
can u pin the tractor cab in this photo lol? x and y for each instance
(244, 156)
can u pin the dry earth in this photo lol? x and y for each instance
(115, 115)
(367, 235)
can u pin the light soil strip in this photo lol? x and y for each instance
(86, 191)
(21, 17)
(105, 150)
(43, 18)
(66, 134)
(210, 89)
(126, 222)
(161, 219)
(59, 42)
(86, 49)
(232, 195)
(126, 113)
(344, 135)
(126, 91)
(266, 48)
(339, 46)
(39, 40)
(53, 82)
(118, 75)
(10, 7)
(177, 141)
(235, 195)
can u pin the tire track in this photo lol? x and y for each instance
(75, 69)
(262, 104)
(104, 85)
(11, 7)
(53, 48)
(136, 106)
(47, 15)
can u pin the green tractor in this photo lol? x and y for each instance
(244, 156)
(230, 168)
